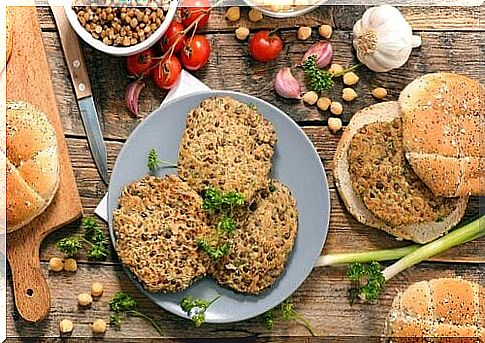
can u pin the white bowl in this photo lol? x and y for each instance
(295, 12)
(115, 50)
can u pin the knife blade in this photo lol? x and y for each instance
(82, 89)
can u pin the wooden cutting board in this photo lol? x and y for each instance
(29, 79)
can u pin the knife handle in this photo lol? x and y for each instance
(72, 53)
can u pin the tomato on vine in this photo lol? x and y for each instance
(167, 72)
(192, 10)
(195, 52)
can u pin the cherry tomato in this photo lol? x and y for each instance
(195, 53)
(265, 46)
(194, 9)
(138, 64)
(171, 35)
(166, 73)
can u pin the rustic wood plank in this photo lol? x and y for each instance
(342, 224)
(429, 18)
(322, 298)
(459, 52)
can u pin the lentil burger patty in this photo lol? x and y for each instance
(157, 225)
(388, 186)
(226, 144)
(262, 242)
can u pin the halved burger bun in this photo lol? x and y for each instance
(420, 232)
(443, 131)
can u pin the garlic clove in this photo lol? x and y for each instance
(323, 51)
(286, 85)
(132, 94)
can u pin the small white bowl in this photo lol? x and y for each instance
(295, 12)
(116, 50)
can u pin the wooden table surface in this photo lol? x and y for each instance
(452, 41)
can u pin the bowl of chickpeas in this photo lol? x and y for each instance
(121, 27)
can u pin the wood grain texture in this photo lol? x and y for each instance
(230, 68)
(322, 298)
(28, 79)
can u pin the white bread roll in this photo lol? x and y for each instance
(419, 232)
(438, 308)
(443, 133)
(32, 163)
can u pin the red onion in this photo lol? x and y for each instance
(323, 52)
(132, 93)
(286, 85)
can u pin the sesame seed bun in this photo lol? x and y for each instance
(420, 232)
(32, 164)
(437, 308)
(443, 131)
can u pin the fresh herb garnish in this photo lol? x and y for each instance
(93, 237)
(286, 311)
(153, 162)
(226, 225)
(123, 305)
(196, 308)
(321, 80)
(214, 252)
(217, 201)
(368, 281)
(252, 106)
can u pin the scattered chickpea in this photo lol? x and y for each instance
(66, 326)
(242, 33)
(233, 13)
(84, 299)
(334, 124)
(379, 93)
(304, 33)
(324, 103)
(336, 108)
(335, 68)
(96, 289)
(70, 265)
(56, 264)
(325, 31)
(350, 78)
(310, 97)
(98, 326)
(348, 94)
(255, 15)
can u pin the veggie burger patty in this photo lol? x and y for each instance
(387, 185)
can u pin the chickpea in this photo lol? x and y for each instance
(379, 93)
(96, 289)
(310, 97)
(304, 33)
(324, 103)
(56, 264)
(98, 326)
(233, 13)
(350, 78)
(334, 124)
(66, 326)
(84, 299)
(242, 33)
(336, 108)
(70, 265)
(325, 31)
(348, 94)
(335, 68)
(255, 15)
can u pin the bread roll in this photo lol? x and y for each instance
(438, 308)
(419, 232)
(443, 116)
(9, 33)
(32, 163)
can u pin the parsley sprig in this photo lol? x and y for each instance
(153, 162)
(214, 252)
(286, 311)
(368, 279)
(93, 237)
(124, 305)
(321, 80)
(196, 308)
(217, 201)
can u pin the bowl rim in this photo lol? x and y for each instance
(121, 51)
(286, 14)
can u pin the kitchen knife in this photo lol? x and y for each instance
(82, 88)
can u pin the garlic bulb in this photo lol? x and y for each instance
(384, 39)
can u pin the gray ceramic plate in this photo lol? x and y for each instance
(296, 164)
